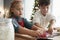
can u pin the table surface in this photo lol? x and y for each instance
(55, 36)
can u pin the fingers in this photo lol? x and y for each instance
(50, 31)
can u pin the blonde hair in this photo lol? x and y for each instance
(13, 4)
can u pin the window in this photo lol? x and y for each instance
(56, 11)
(28, 7)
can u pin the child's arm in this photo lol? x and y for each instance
(21, 30)
(30, 25)
(38, 25)
(50, 30)
(28, 32)
(34, 27)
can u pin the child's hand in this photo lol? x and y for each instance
(42, 34)
(42, 30)
(50, 30)
(35, 33)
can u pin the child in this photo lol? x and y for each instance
(42, 18)
(21, 25)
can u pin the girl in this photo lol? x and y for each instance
(21, 25)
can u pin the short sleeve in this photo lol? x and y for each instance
(36, 18)
(15, 24)
(51, 17)
(27, 24)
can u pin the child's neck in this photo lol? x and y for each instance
(43, 14)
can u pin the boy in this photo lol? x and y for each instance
(42, 18)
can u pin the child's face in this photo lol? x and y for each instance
(44, 9)
(17, 10)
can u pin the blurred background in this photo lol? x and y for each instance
(30, 7)
(1, 8)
